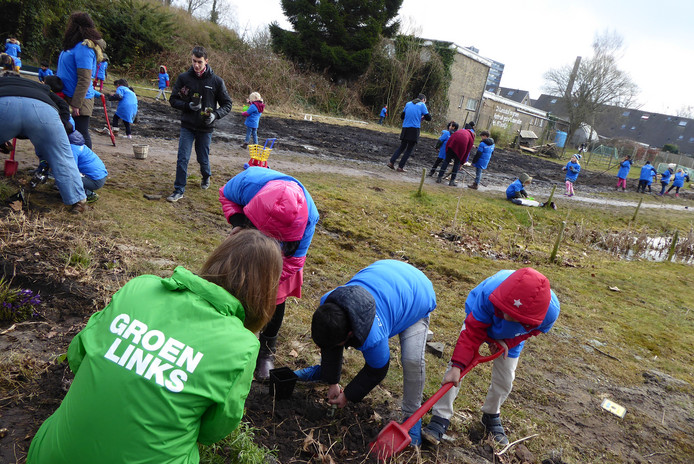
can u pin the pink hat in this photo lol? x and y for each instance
(524, 295)
(279, 210)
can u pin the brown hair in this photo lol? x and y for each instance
(248, 265)
(79, 27)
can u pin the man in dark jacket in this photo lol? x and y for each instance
(202, 98)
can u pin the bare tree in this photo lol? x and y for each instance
(193, 5)
(598, 82)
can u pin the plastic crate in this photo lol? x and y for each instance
(260, 153)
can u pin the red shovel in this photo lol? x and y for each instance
(395, 437)
(110, 132)
(11, 165)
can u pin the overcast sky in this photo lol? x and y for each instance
(533, 36)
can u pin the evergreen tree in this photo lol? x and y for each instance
(335, 36)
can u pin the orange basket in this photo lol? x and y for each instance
(260, 153)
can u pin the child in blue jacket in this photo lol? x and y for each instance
(665, 177)
(163, 83)
(252, 115)
(127, 106)
(441, 145)
(385, 299)
(91, 167)
(384, 113)
(508, 307)
(678, 181)
(14, 49)
(572, 169)
(101, 73)
(646, 177)
(624, 168)
(481, 160)
(44, 71)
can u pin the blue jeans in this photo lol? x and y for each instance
(252, 132)
(478, 175)
(40, 123)
(202, 151)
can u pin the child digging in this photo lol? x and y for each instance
(508, 307)
(127, 106)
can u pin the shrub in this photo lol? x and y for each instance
(671, 147)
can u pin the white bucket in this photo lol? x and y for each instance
(140, 151)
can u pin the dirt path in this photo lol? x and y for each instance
(298, 427)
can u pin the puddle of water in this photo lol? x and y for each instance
(651, 248)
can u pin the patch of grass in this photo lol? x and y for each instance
(237, 448)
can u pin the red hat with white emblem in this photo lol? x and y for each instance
(524, 295)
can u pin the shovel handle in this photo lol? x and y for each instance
(428, 404)
(14, 147)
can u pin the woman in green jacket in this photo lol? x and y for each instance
(168, 363)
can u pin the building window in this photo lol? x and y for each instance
(553, 101)
(624, 126)
(471, 104)
(460, 104)
(683, 123)
(645, 117)
(633, 127)
(626, 113)
(691, 139)
(680, 137)
(510, 92)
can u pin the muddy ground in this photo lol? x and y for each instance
(299, 428)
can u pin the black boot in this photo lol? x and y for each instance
(266, 358)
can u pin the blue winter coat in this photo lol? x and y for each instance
(13, 49)
(445, 135)
(244, 186)
(384, 111)
(414, 113)
(485, 150)
(402, 294)
(88, 162)
(572, 170)
(163, 80)
(515, 187)
(647, 172)
(254, 113)
(665, 176)
(78, 57)
(624, 168)
(679, 180)
(127, 106)
(483, 310)
(101, 70)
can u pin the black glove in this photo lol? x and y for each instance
(438, 145)
(195, 106)
(210, 119)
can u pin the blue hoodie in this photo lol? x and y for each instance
(403, 295)
(665, 179)
(679, 180)
(127, 106)
(624, 168)
(515, 187)
(572, 169)
(88, 162)
(647, 172)
(445, 135)
(101, 70)
(485, 150)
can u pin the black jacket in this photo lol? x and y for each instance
(213, 91)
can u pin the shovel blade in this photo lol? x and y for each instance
(11, 168)
(392, 439)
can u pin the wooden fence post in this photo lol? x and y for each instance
(673, 245)
(421, 182)
(559, 239)
(637, 210)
